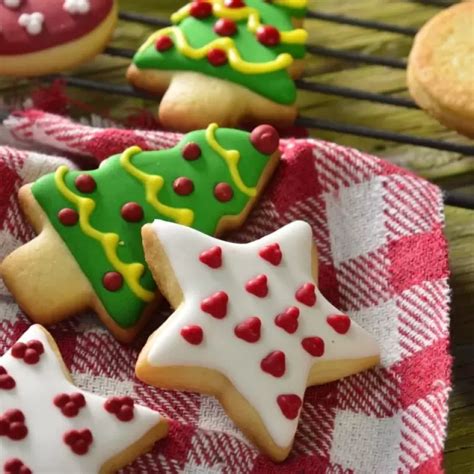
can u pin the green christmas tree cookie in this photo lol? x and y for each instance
(231, 61)
(89, 254)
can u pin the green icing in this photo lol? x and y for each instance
(277, 86)
(116, 187)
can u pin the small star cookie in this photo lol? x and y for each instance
(250, 327)
(47, 423)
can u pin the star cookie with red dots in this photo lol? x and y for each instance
(47, 424)
(250, 327)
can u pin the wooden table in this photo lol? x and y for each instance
(449, 170)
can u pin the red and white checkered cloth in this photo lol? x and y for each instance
(383, 259)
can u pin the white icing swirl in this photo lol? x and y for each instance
(77, 7)
(32, 22)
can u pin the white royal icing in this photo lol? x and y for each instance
(32, 22)
(12, 3)
(221, 349)
(43, 449)
(77, 7)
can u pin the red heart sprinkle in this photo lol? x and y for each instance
(290, 405)
(306, 294)
(339, 322)
(274, 363)
(216, 304)
(271, 253)
(193, 334)
(258, 286)
(212, 257)
(249, 330)
(288, 320)
(313, 345)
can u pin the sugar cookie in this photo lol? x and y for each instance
(89, 254)
(41, 37)
(229, 61)
(250, 327)
(441, 67)
(47, 424)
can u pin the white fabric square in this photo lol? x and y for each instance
(380, 438)
(357, 212)
(382, 323)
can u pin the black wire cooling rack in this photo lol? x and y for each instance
(451, 197)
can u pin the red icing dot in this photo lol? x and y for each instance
(183, 186)
(217, 57)
(192, 334)
(121, 407)
(268, 35)
(78, 440)
(15, 466)
(163, 43)
(212, 257)
(223, 192)
(18, 350)
(258, 286)
(7, 382)
(31, 356)
(70, 404)
(271, 253)
(290, 405)
(313, 345)
(225, 27)
(306, 294)
(191, 151)
(200, 9)
(35, 345)
(85, 183)
(249, 330)
(12, 424)
(288, 320)
(112, 281)
(234, 3)
(68, 216)
(339, 322)
(274, 363)
(216, 304)
(132, 212)
(265, 139)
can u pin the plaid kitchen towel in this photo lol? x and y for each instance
(383, 259)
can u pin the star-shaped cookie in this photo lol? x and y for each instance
(250, 327)
(49, 425)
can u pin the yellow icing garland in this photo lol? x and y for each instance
(153, 185)
(291, 3)
(297, 36)
(131, 272)
(227, 44)
(231, 157)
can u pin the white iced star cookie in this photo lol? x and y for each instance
(250, 327)
(49, 425)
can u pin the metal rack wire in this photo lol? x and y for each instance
(451, 197)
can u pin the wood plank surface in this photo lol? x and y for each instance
(449, 170)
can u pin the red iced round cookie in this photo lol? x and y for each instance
(39, 37)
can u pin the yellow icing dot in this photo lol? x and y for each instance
(231, 157)
(131, 272)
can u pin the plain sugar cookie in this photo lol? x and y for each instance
(441, 67)
(48, 425)
(250, 327)
(88, 253)
(228, 61)
(46, 36)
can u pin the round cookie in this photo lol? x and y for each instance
(42, 37)
(441, 68)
